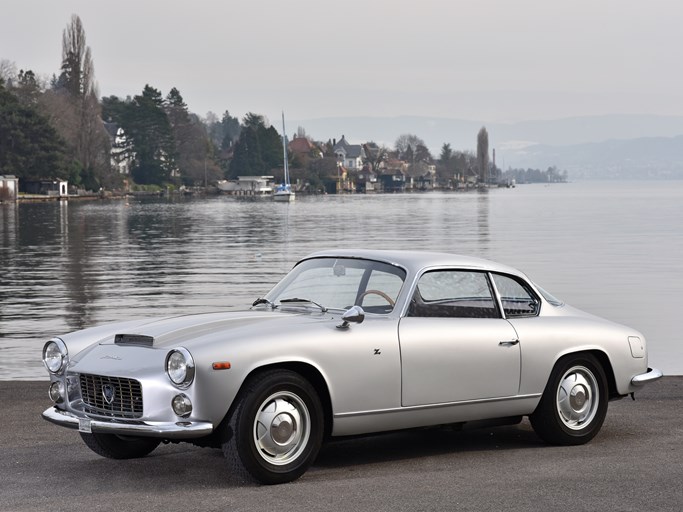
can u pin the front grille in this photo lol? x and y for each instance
(111, 396)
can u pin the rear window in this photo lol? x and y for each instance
(516, 297)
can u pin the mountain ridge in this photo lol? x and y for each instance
(462, 133)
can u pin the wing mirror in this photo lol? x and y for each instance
(354, 314)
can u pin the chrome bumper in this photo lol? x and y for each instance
(651, 375)
(165, 430)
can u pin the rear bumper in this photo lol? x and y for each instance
(163, 430)
(651, 375)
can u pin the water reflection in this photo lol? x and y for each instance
(483, 221)
(67, 266)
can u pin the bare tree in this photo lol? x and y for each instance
(87, 135)
(408, 141)
(77, 67)
(8, 71)
(375, 155)
(483, 154)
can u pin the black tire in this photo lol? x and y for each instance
(277, 428)
(574, 403)
(120, 447)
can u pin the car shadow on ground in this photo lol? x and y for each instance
(187, 467)
(419, 443)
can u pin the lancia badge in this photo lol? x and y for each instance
(108, 393)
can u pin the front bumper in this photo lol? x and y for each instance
(164, 430)
(651, 375)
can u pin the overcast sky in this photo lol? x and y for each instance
(485, 60)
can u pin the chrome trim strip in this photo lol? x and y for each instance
(651, 375)
(166, 430)
(436, 406)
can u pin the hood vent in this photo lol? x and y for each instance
(134, 339)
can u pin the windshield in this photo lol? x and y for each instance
(339, 283)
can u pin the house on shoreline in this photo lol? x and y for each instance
(350, 156)
(247, 186)
(50, 187)
(121, 158)
(9, 188)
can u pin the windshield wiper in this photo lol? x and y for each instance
(263, 301)
(308, 301)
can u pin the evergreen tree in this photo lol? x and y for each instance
(446, 154)
(247, 159)
(191, 141)
(30, 148)
(230, 127)
(27, 88)
(147, 124)
(258, 150)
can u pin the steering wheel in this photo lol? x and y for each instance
(377, 292)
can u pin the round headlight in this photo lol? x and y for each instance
(180, 367)
(56, 392)
(54, 355)
(182, 405)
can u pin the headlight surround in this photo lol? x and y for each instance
(180, 367)
(55, 355)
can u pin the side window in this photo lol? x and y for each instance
(454, 294)
(516, 297)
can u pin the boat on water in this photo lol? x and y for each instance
(284, 192)
(257, 186)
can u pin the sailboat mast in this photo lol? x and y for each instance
(284, 148)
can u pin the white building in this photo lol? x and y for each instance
(349, 155)
(121, 155)
(9, 188)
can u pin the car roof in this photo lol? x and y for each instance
(416, 261)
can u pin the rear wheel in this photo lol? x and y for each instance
(277, 428)
(574, 403)
(120, 447)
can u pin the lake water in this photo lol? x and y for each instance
(614, 249)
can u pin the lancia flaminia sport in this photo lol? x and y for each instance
(349, 342)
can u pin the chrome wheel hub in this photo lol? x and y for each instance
(577, 397)
(281, 428)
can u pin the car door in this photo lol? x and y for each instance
(455, 344)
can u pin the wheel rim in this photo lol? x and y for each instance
(577, 397)
(281, 428)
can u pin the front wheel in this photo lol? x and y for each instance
(120, 447)
(574, 403)
(277, 428)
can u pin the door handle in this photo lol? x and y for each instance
(508, 343)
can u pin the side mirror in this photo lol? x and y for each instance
(354, 314)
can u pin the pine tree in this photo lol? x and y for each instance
(258, 150)
(147, 124)
(30, 147)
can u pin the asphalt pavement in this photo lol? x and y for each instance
(634, 464)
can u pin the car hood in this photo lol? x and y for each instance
(167, 332)
(191, 330)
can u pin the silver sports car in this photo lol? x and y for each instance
(349, 342)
